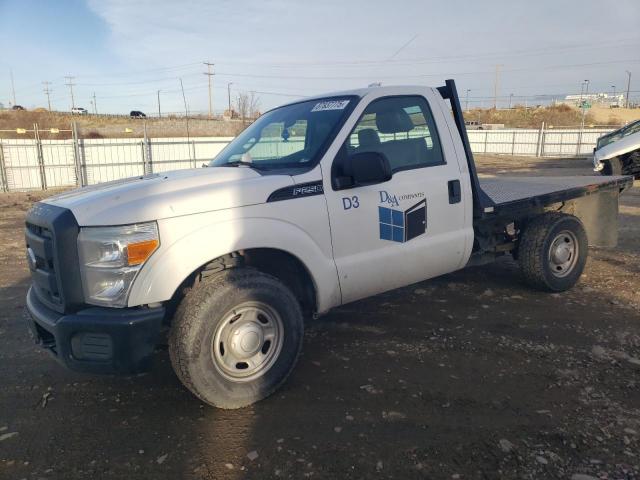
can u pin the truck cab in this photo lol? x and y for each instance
(318, 203)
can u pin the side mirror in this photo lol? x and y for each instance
(365, 168)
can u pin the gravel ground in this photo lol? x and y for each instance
(469, 376)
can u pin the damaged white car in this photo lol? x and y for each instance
(618, 152)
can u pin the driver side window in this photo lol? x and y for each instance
(400, 128)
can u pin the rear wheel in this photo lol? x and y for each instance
(553, 251)
(613, 166)
(235, 337)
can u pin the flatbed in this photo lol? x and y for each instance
(524, 192)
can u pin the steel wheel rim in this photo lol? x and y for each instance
(247, 342)
(563, 253)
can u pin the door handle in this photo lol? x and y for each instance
(455, 193)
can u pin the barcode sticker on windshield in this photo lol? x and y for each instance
(330, 105)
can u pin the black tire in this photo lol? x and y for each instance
(613, 166)
(207, 310)
(545, 242)
(634, 164)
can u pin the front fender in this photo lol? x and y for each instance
(188, 243)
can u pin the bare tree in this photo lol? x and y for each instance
(248, 105)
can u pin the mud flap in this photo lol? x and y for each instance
(599, 214)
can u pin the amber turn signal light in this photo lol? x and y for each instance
(138, 252)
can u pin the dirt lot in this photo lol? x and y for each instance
(471, 375)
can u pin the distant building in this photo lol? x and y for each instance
(600, 98)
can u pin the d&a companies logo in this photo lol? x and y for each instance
(401, 225)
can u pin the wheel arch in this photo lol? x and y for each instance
(257, 243)
(283, 265)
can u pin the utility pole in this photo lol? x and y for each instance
(70, 84)
(510, 100)
(466, 107)
(95, 105)
(210, 75)
(229, 98)
(13, 87)
(159, 112)
(47, 91)
(582, 102)
(495, 87)
(628, 87)
(584, 111)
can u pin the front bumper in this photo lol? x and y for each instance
(96, 339)
(597, 164)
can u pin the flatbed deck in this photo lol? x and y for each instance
(522, 192)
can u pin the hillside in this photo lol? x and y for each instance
(108, 126)
(556, 116)
(603, 114)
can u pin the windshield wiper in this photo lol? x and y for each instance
(237, 163)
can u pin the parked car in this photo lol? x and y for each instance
(137, 114)
(473, 125)
(17, 107)
(79, 111)
(618, 152)
(380, 192)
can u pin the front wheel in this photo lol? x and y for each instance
(236, 337)
(553, 251)
(613, 166)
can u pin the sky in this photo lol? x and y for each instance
(125, 51)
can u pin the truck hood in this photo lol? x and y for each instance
(169, 194)
(618, 147)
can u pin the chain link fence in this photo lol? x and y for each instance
(542, 142)
(69, 158)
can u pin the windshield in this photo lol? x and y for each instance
(630, 129)
(287, 137)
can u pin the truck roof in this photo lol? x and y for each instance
(363, 92)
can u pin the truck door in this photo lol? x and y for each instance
(411, 227)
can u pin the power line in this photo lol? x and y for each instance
(137, 72)
(424, 75)
(551, 50)
(136, 82)
(404, 45)
(361, 77)
(186, 113)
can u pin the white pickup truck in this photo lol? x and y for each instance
(318, 203)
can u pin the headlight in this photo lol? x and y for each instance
(110, 258)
